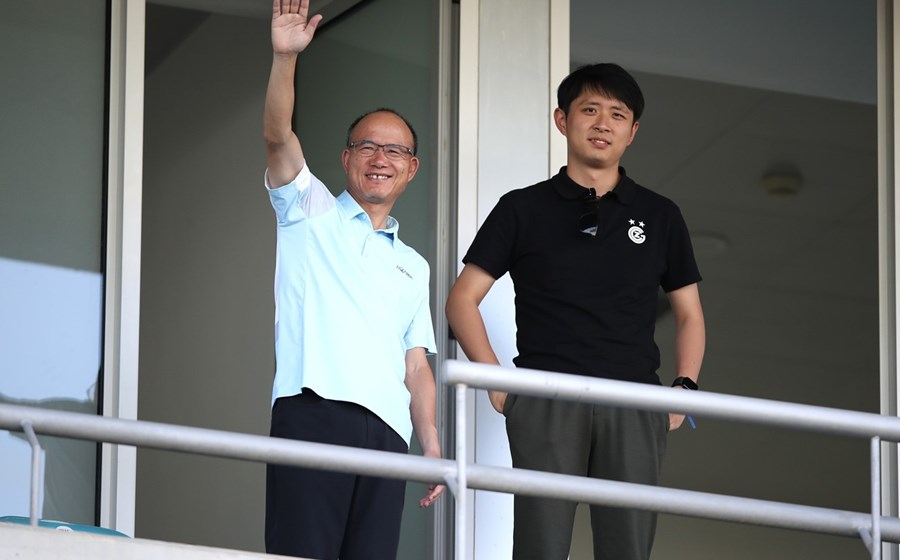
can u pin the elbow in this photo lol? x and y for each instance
(274, 141)
(275, 134)
(454, 309)
(458, 301)
(448, 307)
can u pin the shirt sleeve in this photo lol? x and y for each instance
(304, 197)
(494, 244)
(681, 266)
(420, 333)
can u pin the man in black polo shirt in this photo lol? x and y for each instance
(587, 252)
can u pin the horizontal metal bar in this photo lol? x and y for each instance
(675, 501)
(649, 397)
(250, 447)
(217, 443)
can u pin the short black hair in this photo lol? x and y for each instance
(606, 78)
(415, 146)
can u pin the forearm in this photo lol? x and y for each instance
(690, 345)
(468, 327)
(467, 322)
(420, 384)
(279, 105)
(284, 157)
(422, 392)
(690, 331)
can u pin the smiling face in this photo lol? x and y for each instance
(598, 129)
(377, 180)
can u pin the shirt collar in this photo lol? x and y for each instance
(570, 190)
(351, 210)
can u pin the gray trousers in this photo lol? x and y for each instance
(586, 440)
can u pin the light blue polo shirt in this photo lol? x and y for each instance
(349, 302)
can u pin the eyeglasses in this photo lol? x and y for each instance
(367, 148)
(589, 220)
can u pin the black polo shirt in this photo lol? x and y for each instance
(587, 304)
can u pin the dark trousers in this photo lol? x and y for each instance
(584, 440)
(328, 515)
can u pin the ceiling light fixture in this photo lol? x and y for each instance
(782, 180)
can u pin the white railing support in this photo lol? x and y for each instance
(461, 475)
(873, 532)
(28, 429)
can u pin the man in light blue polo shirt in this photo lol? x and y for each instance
(352, 322)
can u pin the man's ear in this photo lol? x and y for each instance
(345, 159)
(413, 167)
(634, 129)
(559, 117)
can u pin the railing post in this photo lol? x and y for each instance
(461, 485)
(28, 428)
(874, 532)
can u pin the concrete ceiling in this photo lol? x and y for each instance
(822, 49)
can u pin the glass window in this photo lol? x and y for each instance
(52, 106)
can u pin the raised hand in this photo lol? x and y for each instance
(292, 30)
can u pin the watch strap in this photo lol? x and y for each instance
(686, 383)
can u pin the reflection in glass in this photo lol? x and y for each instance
(49, 340)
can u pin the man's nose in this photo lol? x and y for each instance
(380, 155)
(602, 122)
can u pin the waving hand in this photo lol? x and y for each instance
(292, 29)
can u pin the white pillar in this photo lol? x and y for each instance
(513, 54)
(123, 257)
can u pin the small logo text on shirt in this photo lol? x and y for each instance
(403, 270)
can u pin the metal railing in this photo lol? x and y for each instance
(872, 528)
(460, 475)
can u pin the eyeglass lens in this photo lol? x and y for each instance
(367, 148)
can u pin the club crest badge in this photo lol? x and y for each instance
(636, 232)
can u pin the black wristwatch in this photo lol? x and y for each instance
(686, 383)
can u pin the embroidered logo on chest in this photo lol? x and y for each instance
(403, 270)
(636, 232)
